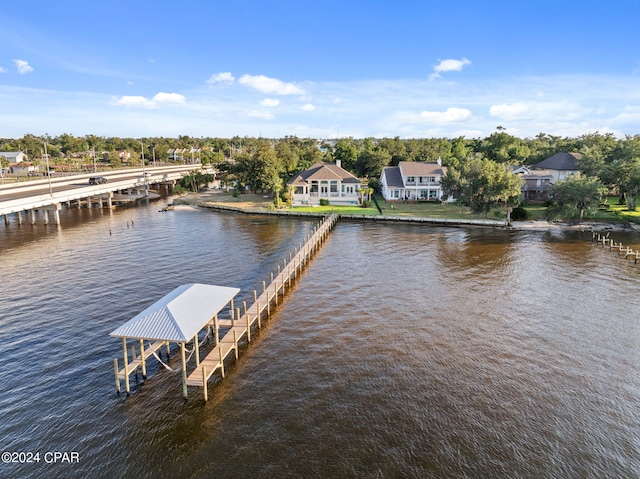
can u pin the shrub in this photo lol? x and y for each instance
(324, 202)
(519, 214)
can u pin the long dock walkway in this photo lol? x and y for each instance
(241, 323)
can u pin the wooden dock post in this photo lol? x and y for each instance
(244, 306)
(184, 370)
(221, 361)
(248, 327)
(264, 286)
(126, 366)
(143, 361)
(204, 382)
(255, 296)
(235, 343)
(259, 315)
(115, 369)
(196, 350)
(216, 327)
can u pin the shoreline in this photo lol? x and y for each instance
(207, 200)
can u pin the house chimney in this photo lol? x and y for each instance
(339, 163)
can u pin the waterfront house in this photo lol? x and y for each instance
(325, 181)
(536, 185)
(412, 181)
(560, 166)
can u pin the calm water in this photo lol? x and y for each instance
(402, 351)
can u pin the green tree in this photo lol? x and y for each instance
(504, 148)
(346, 152)
(482, 184)
(574, 197)
(371, 162)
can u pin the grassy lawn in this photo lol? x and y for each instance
(427, 210)
(343, 210)
(614, 212)
(621, 211)
(536, 212)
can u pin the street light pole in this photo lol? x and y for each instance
(46, 157)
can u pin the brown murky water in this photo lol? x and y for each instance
(402, 351)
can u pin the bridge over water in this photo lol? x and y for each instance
(51, 193)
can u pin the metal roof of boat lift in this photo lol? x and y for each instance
(179, 315)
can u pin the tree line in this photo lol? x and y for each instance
(261, 165)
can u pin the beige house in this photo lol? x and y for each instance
(325, 181)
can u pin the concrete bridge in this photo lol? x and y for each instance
(49, 194)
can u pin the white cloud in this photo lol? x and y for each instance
(23, 67)
(562, 110)
(449, 65)
(3, 70)
(270, 85)
(269, 102)
(307, 107)
(133, 101)
(163, 97)
(265, 115)
(224, 77)
(143, 102)
(450, 115)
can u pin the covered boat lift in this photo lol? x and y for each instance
(177, 317)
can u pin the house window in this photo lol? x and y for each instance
(334, 186)
(433, 194)
(395, 193)
(411, 179)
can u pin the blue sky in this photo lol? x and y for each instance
(319, 69)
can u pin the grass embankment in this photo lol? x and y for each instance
(616, 211)
(612, 212)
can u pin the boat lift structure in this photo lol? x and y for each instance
(177, 317)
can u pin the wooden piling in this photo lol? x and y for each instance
(143, 362)
(184, 370)
(204, 382)
(115, 370)
(126, 366)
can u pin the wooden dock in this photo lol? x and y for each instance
(241, 323)
(624, 251)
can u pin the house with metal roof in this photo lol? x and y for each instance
(14, 156)
(325, 181)
(413, 181)
(560, 166)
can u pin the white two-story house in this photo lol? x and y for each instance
(325, 181)
(412, 181)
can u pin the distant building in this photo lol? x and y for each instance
(413, 181)
(325, 181)
(14, 156)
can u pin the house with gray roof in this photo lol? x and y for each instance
(14, 156)
(325, 181)
(413, 181)
(560, 166)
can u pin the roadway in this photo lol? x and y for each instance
(61, 184)
(18, 197)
